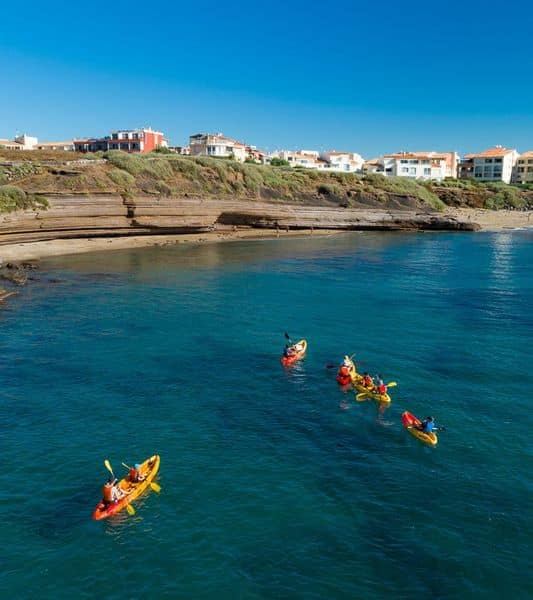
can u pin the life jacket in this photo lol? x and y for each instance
(382, 389)
(107, 493)
(134, 475)
(344, 371)
(367, 381)
(428, 427)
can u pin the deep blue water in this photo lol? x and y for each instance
(269, 488)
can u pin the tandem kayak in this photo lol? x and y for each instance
(410, 422)
(369, 392)
(347, 374)
(148, 470)
(288, 360)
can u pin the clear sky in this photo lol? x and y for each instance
(366, 76)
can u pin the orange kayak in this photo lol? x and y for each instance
(148, 470)
(288, 360)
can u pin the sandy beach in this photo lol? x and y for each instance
(37, 250)
(493, 220)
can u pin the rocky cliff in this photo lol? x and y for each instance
(100, 215)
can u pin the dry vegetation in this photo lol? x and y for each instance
(181, 176)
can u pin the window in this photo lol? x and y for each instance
(412, 170)
(135, 136)
(125, 136)
(427, 170)
(478, 170)
(114, 136)
(488, 160)
(521, 169)
(497, 160)
(530, 161)
(425, 162)
(478, 175)
(403, 161)
(414, 162)
(530, 169)
(124, 146)
(405, 169)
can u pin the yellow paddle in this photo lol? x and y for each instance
(107, 465)
(154, 486)
(129, 508)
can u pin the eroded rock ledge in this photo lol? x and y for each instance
(105, 215)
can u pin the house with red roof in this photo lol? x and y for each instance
(494, 164)
(421, 165)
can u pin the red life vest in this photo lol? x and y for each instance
(382, 389)
(134, 475)
(107, 493)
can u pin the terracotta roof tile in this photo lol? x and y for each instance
(492, 152)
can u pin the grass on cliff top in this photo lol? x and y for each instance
(14, 198)
(227, 177)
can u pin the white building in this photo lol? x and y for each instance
(66, 145)
(299, 158)
(421, 165)
(496, 164)
(524, 168)
(347, 162)
(217, 146)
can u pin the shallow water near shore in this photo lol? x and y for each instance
(274, 483)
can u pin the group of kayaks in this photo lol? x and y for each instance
(347, 375)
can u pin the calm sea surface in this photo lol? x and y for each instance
(274, 483)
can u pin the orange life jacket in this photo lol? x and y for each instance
(107, 493)
(367, 381)
(344, 371)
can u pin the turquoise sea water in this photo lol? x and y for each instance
(270, 488)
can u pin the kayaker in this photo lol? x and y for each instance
(288, 351)
(368, 382)
(427, 425)
(135, 474)
(111, 492)
(380, 386)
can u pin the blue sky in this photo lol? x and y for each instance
(366, 76)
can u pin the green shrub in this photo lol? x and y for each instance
(122, 178)
(329, 189)
(132, 163)
(279, 162)
(162, 150)
(14, 198)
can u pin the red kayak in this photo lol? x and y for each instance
(296, 355)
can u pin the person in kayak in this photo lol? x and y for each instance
(428, 426)
(368, 382)
(135, 474)
(381, 388)
(111, 492)
(288, 351)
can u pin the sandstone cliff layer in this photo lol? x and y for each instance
(98, 215)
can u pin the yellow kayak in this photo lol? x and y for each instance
(148, 470)
(410, 422)
(358, 384)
